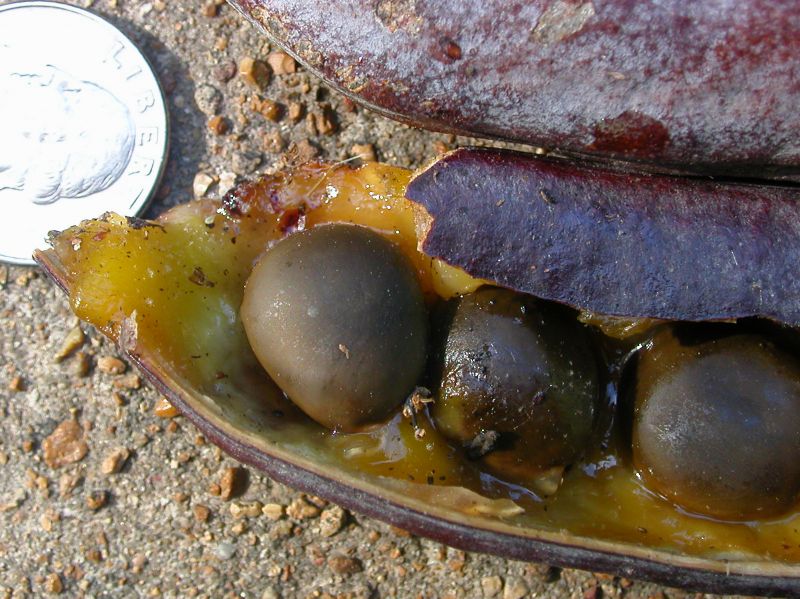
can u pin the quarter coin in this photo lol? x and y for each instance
(83, 125)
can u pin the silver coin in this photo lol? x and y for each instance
(83, 125)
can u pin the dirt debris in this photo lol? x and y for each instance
(281, 63)
(201, 513)
(65, 445)
(81, 364)
(295, 111)
(115, 461)
(331, 520)
(111, 365)
(232, 483)
(73, 340)
(254, 72)
(16, 384)
(273, 511)
(366, 152)
(128, 381)
(218, 125)
(53, 584)
(301, 509)
(96, 500)
(245, 510)
(68, 482)
(344, 565)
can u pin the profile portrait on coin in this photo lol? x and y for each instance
(63, 137)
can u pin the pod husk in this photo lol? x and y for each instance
(615, 243)
(700, 87)
(246, 426)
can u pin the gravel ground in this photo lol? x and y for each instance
(99, 496)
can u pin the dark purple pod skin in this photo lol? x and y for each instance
(707, 86)
(615, 243)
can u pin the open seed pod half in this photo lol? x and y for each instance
(512, 277)
(700, 87)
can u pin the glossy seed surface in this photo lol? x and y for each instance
(337, 318)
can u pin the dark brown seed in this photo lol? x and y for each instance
(716, 424)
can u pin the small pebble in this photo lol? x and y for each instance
(270, 593)
(331, 521)
(71, 343)
(201, 513)
(343, 565)
(295, 111)
(225, 551)
(65, 445)
(401, 532)
(201, 184)
(53, 584)
(138, 562)
(491, 586)
(245, 510)
(208, 99)
(115, 461)
(515, 588)
(281, 529)
(593, 592)
(129, 381)
(17, 500)
(325, 122)
(542, 572)
(218, 125)
(273, 511)
(366, 152)
(274, 142)
(47, 520)
(16, 384)
(226, 181)
(300, 152)
(300, 509)
(82, 364)
(254, 72)
(271, 110)
(96, 500)
(231, 483)
(311, 125)
(281, 63)
(111, 365)
(25, 277)
(225, 71)
(68, 482)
